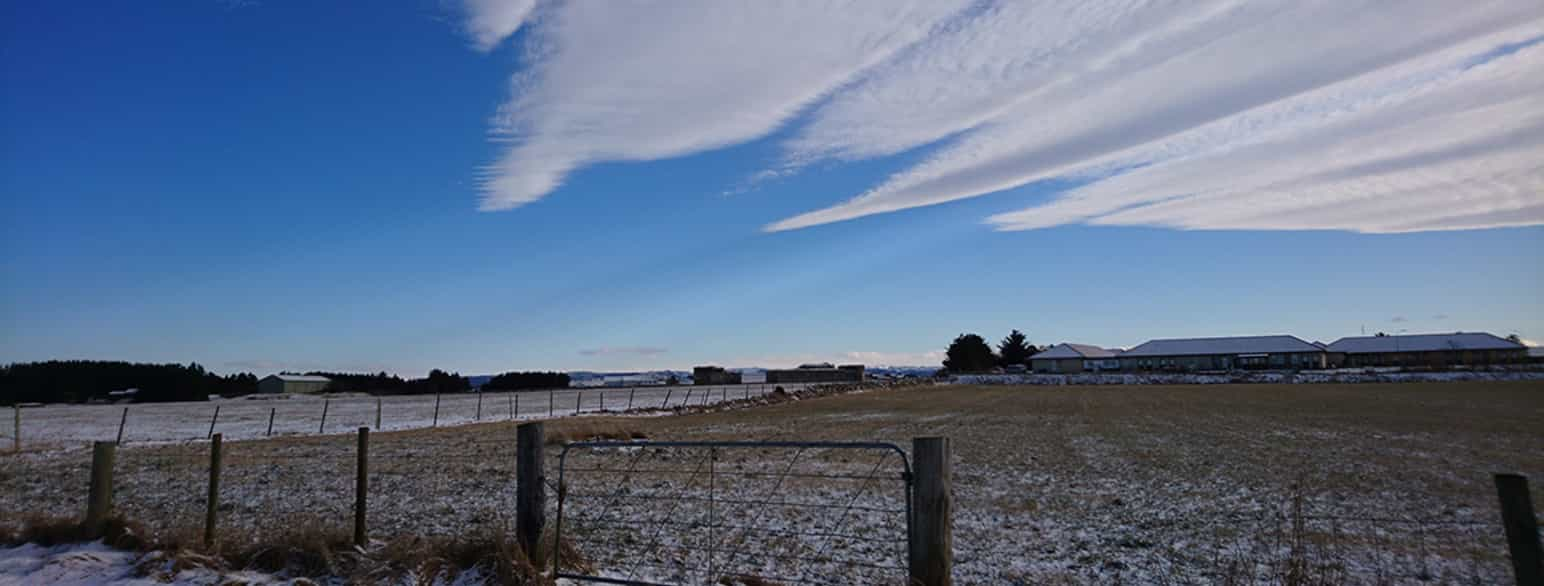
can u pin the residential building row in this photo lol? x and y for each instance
(1284, 352)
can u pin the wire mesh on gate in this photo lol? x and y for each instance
(733, 512)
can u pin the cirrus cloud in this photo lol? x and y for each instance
(1361, 115)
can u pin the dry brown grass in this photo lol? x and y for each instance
(1144, 468)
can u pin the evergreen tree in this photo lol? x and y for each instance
(969, 353)
(1014, 349)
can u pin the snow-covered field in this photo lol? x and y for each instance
(1245, 484)
(247, 417)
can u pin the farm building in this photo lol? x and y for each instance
(292, 383)
(1231, 353)
(817, 373)
(714, 375)
(1073, 358)
(1433, 350)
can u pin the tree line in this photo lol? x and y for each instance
(518, 381)
(79, 381)
(971, 353)
(438, 381)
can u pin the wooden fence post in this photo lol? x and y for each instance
(578, 401)
(603, 401)
(16, 435)
(511, 400)
(530, 490)
(630, 393)
(479, 407)
(271, 411)
(688, 401)
(667, 398)
(436, 422)
(377, 413)
(211, 510)
(361, 486)
(325, 404)
(99, 502)
(931, 542)
(212, 420)
(550, 402)
(1522, 529)
(121, 422)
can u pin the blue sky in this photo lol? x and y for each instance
(489, 187)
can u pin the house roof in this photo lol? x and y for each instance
(300, 378)
(1423, 343)
(1073, 351)
(1229, 345)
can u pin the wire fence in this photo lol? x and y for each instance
(261, 416)
(702, 512)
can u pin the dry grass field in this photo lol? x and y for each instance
(1248, 484)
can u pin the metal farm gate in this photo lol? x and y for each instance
(733, 512)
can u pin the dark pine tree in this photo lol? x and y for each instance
(969, 353)
(1014, 349)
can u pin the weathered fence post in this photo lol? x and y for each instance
(377, 413)
(16, 435)
(325, 404)
(212, 420)
(931, 542)
(550, 402)
(530, 490)
(578, 401)
(361, 486)
(667, 398)
(99, 501)
(688, 401)
(630, 393)
(271, 411)
(603, 401)
(211, 510)
(511, 400)
(1522, 529)
(121, 422)
(479, 407)
(436, 422)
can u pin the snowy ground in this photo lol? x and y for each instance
(247, 418)
(1247, 484)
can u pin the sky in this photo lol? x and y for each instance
(485, 186)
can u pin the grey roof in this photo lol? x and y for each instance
(1423, 343)
(1073, 351)
(1211, 346)
(300, 378)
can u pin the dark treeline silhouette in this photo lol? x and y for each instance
(438, 381)
(78, 381)
(516, 381)
(971, 353)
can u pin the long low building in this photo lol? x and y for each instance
(1280, 352)
(292, 383)
(1068, 358)
(1428, 350)
(817, 373)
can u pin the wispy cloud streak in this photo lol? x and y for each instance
(1362, 115)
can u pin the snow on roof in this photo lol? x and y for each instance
(1229, 345)
(301, 378)
(1423, 343)
(1073, 351)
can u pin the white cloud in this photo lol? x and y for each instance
(1189, 100)
(491, 21)
(633, 81)
(624, 350)
(1363, 115)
